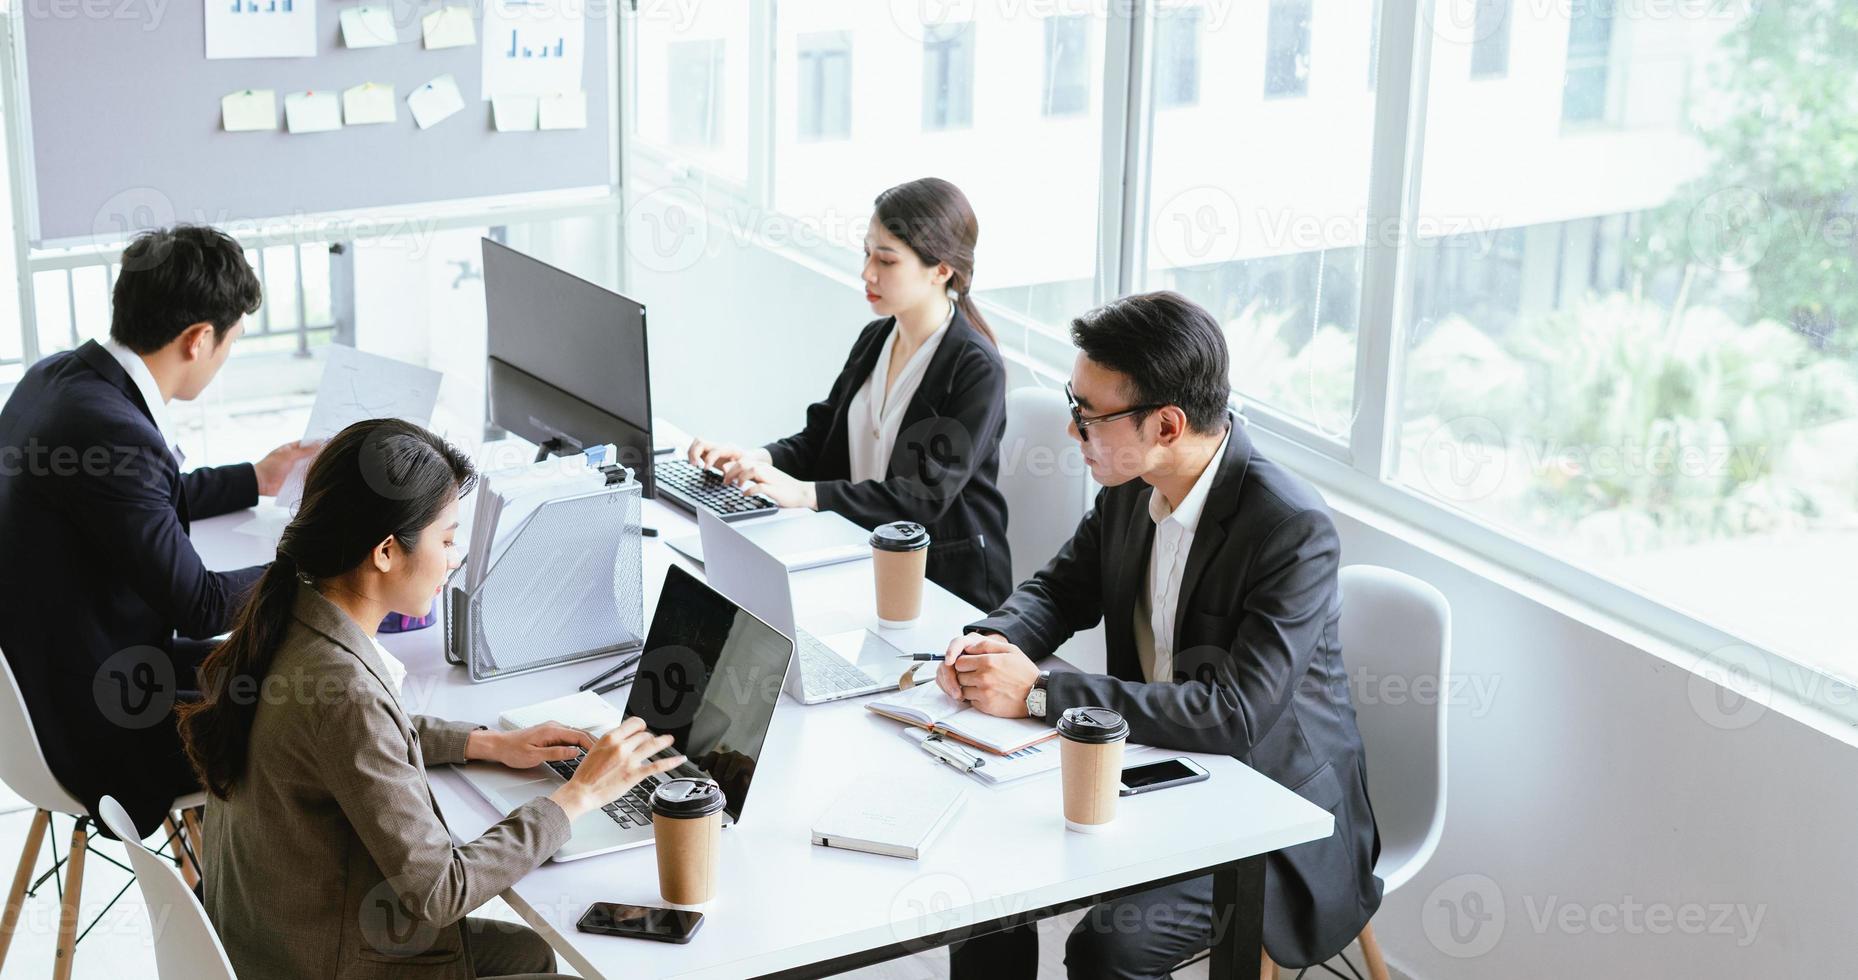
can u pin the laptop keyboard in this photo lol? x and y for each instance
(631, 810)
(823, 671)
(707, 489)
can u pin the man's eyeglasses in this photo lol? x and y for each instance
(1084, 422)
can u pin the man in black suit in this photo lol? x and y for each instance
(99, 573)
(1214, 572)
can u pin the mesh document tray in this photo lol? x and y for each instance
(567, 588)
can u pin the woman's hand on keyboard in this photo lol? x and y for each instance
(528, 747)
(718, 455)
(616, 763)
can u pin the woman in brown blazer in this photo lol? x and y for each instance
(325, 852)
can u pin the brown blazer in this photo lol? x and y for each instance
(331, 859)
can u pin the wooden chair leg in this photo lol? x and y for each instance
(16, 896)
(1267, 969)
(1371, 952)
(67, 916)
(196, 843)
(171, 829)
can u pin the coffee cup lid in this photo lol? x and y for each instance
(1093, 725)
(900, 536)
(687, 798)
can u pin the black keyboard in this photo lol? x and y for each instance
(631, 810)
(693, 488)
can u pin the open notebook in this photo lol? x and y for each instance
(925, 706)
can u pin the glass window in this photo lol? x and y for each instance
(1177, 56)
(1590, 48)
(1067, 68)
(1255, 211)
(1287, 48)
(1490, 48)
(694, 89)
(686, 87)
(1036, 260)
(948, 76)
(1634, 346)
(825, 97)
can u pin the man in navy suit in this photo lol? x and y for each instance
(99, 575)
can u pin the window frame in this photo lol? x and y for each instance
(1362, 469)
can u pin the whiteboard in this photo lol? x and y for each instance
(123, 122)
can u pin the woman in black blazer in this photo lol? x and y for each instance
(911, 428)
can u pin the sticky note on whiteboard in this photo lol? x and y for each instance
(249, 111)
(312, 112)
(514, 113)
(368, 26)
(435, 101)
(564, 110)
(449, 27)
(368, 103)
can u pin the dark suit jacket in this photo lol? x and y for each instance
(1257, 669)
(943, 468)
(99, 575)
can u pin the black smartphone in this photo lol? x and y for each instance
(1160, 775)
(641, 922)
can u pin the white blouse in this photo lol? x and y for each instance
(396, 671)
(876, 413)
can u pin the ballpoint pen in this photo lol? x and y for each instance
(624, 662)
(959, 758)
(928, 658)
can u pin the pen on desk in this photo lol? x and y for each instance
(624, 662)
(617, 683)
(922, 658)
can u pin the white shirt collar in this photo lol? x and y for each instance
(1188, 513)
(151, 393)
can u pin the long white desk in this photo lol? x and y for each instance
(788, 908)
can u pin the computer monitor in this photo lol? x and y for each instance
(568, 365)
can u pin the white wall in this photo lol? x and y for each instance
(1588, 775)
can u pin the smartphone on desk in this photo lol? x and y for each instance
(1160, 775)
(641, 922)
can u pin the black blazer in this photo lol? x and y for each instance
(943, 468)
(1257, 670)
(99, 575)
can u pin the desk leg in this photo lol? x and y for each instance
(1238, 917)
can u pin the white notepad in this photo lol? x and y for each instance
(584, 710)
(925, 706)
(888, 814)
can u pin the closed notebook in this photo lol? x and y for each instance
(925, 706)
(888, 814)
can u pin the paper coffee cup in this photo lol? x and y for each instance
(899, 561)
(687, 823)
(1090, 755)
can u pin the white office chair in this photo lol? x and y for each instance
(1042, 476)
(186, 947)
(1394, 625)
(24, 770)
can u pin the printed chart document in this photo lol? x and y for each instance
(260, 28)
(533, 47)
(357, 386)
(925, 706)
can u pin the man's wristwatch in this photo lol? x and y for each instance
(1035, 698)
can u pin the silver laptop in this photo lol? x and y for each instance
(833, 666)
(707, 678)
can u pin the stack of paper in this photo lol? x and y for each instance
(506, 498)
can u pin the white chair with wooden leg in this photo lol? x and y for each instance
(186, 947)
(24, 770)
(1395, 625)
